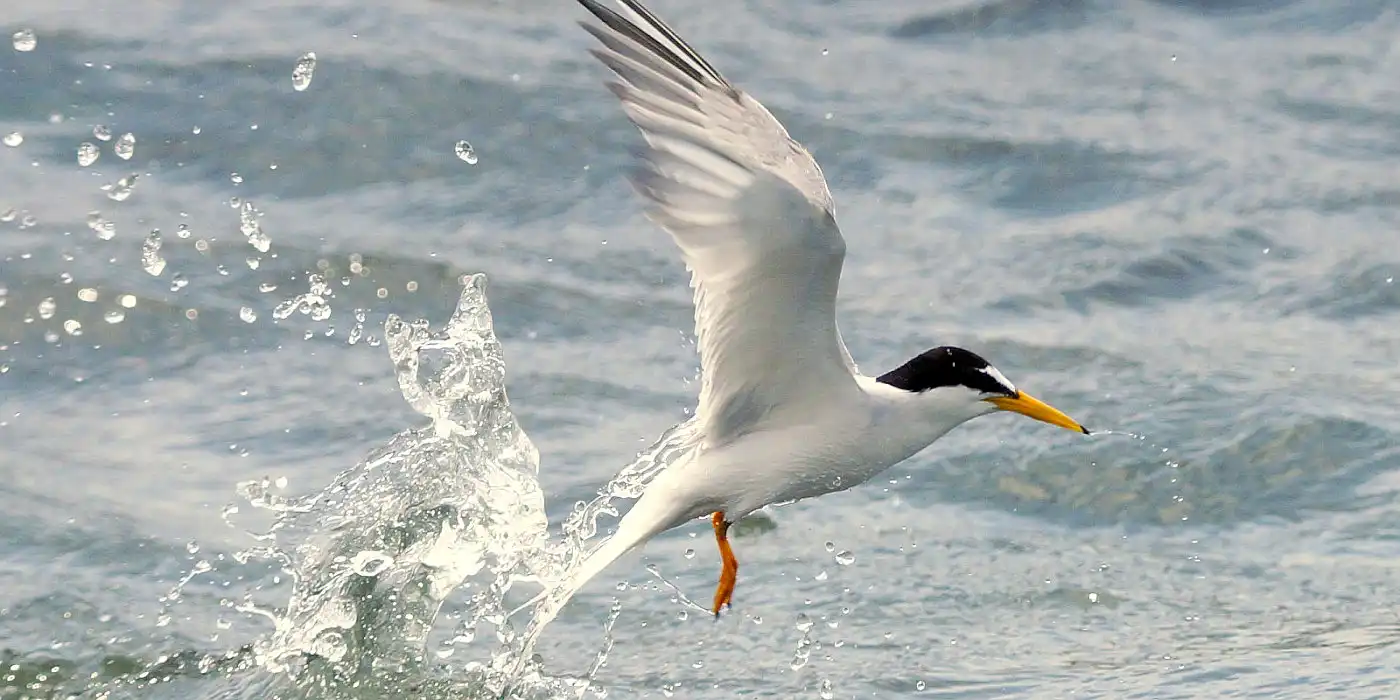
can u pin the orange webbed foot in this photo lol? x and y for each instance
(729, 575)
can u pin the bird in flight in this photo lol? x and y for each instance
(783, 413)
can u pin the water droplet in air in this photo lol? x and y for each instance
(12, 139)
(182, 231)
(105, 230)
(178, 282)
(47, 308)
(125, 146)
(247, 314)
(192, 547)
(252, 230)
(114, 316)
(102, 132)
(87, 294)
(25, 40)
(804, 623)
(305, 68)
(253, 262)
(371, 563)
(466, 153)
(151, 260)
(689, 553)
(824, 690)
(127, 301)
(845, 557)
(73, 327)
(121, 189)
(830, 546)
(88, 153)
(920, 685)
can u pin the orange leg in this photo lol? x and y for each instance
(724, 595)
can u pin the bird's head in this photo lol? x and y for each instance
(960, 384)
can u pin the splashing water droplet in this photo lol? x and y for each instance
(125, 146)
(804, 623)
(371, 563)
(824, 690)
(25, 40)
(304, 70)
(102, 132)
(252, 230)
(313, 303)
(151, 260)
(357, 331)
(13, 139)
(88, 152)
(804, 645)
(121, 189)
(466, 152)
(845, 557)
(247, 314)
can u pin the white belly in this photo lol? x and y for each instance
(794, 463)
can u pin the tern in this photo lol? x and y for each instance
(783, 413)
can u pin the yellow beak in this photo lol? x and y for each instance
(1030, 406)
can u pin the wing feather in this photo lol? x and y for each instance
(751, 213)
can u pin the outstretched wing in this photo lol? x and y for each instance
(752, 216)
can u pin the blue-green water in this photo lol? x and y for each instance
(1174, 219)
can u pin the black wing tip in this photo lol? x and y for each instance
(696, 67)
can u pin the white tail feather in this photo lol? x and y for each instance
(648, 517)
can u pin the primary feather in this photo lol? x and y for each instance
(750, 211)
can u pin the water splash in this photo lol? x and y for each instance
(88, 153)
(450, 509)
(125, 146)
(250, 227)
(304, 70)
(464, 151)
(120, 190)
(24, 40)
(314, 303)
(452, 506)
(151, 260)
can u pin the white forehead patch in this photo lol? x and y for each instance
(1001, 379)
